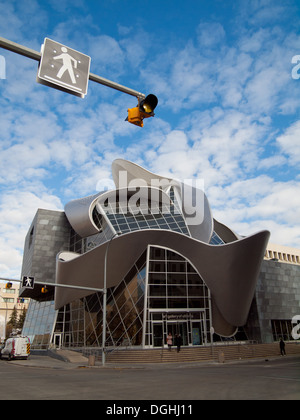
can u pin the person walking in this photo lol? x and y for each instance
(169, 341)
(178, 342)
(282, 347)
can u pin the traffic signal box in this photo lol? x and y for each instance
(144, 109)
(8, 285)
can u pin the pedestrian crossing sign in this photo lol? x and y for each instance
(63, 68)
(28, 282)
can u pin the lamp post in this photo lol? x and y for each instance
(105, 299)
(5, 322)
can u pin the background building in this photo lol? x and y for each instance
(9, 299)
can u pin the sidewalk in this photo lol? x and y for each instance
(47, 362)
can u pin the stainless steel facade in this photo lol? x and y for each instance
(170, 265)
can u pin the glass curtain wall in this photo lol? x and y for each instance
(178, 301)
(161, 293)
(282, 328)
(125, 305)
(124, 217)
(39, 323)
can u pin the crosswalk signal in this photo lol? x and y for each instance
(44, 289)
(144, 109)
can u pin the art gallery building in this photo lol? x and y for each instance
(167, 265)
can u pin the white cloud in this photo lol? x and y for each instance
(17, 209)
(210, 34)
(289, 143)
(282, 203)
(257, 204)
(272, 161)
(106, 52)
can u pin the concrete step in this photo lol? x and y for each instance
(198, 354)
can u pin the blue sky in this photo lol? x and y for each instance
(228, 108)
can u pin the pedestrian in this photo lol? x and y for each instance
(282, 347)
(178, 342)
(169, 341)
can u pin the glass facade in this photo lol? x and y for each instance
(282, 328)
(178, 301)
(216, 240)
(162, 293)
(125, 216)
(117, 216)
(39, 323)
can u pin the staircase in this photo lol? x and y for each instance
(219, 353)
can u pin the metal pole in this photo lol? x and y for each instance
(211, 330)
(70, 286)
(35, 55)
(19, 49)
(105, 300)
(6, 310)
(114, 85)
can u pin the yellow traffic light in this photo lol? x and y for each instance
(134, 116)
(148, 105)
(44, 289)
(8, 285)
(144, 109)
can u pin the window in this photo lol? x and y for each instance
(174, 283)
(282, 328)
(216, 240)
(9, 291)
(150, 215)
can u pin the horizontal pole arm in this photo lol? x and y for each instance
(69, 286)
(35, 55)
(109, 83)
(19, 49)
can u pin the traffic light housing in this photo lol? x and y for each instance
(8, 285)
(44, 289)
(144, 109)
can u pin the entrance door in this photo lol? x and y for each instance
(175, 327)
(158, 334)
(196, 334)
(68, 340)
(199, 333)
(57, 341)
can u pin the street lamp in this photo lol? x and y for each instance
(105, 299)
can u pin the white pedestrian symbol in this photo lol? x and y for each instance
(28, 282)
(67, 60)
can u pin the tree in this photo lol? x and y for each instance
(21, 319)
(13, 320)
(15, 323)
